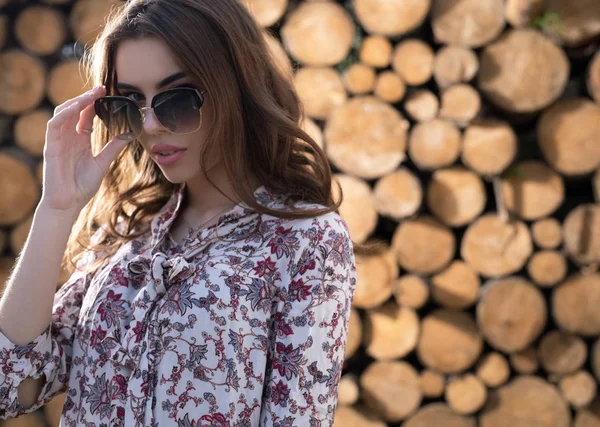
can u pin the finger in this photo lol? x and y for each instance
(97, 91)
(86, 120)
(110, 151)
(61, 118)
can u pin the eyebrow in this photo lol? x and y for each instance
(162, 83)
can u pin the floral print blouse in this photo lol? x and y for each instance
(243, 324)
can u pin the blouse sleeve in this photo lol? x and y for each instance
(310, 327)
(49, 353)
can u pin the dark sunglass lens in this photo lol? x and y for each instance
(178, 110)
(120, 116)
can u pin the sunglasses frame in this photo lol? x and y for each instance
(143, 110)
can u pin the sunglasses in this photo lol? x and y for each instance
(178, 110)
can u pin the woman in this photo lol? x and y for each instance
(218, 284)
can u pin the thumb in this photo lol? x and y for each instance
(111, 150)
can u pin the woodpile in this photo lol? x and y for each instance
(465, 135)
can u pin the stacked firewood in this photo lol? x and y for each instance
(465, 135)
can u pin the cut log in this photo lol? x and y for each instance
(20, 192)
(543, 405)
(454, 64)
(359, 78)
(376, 51)
(354, 334)
(328, 39)
(389, 87)
(456, 196)
(581, 234)
(313, 130)
(589, 416)
(496, 248)
(521, 13)
(280, 56)
(413, 59)
(493, 369)
(266, 12)
(391, 332)
(19, 234)
(466, 394)
(390, 17)
(411, 291)
(358, 206)
(525, 361)
(456, 287)
(472, 23)
(391, 389)
(40, 29)
(438, 414)
(30, 131)
(579, 21)
(398, 195)
(579, 388)
(346, 416)
(461, 103)
(320, 89)
(450, 341)
(422, 105)
(575, 305)
(511, 313)
(432, 383)
(523, 71)
(22, 82)
(434, 144)
(561, 352)
(593, 77)
(366, 137)
(423, 245)
(489, 147)
(547, 268)
(547, 233)
(65, 82)
(348, 390)
(533, 191)
(567, 136)
(375, 277)
(88, 17)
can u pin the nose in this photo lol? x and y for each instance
(150, 123)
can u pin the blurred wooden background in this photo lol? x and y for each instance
(466, 136)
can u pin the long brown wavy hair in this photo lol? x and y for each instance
(257, 125)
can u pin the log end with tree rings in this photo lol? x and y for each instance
(536, 402)
(533, 190)
(466, 394)
(22, 82)
(375, 51)
(593, 77)
(578, 21)
(87, 19)
(578, 388)
(525, 361)
(581, 234)
(511, 313)
(454, 64)
(390, 17)
(313, 130)
(65, 81)
(456, 196)
(320, 89)
(438, 414)
(355, 333)
(376, 275)
(411, 291)
(561, 352)
(348, 390)
(547, 233)
(391, 389)
(461, 103)
(422, 105)
(30, 131)
(523, 72)
(495, 248)
(391, 331)
(450, 341)
(359, 78)
(589, 416)
(575, 304)
(423, 245)
(41, 29)
(330, 37)
(413, 59)
(432, 383)
(493, 369)
(489, 147)
(456, 287)
(266, 12)
(389, 87)
(434, 144)
(281, 59)
(358, 206)
(398, 195)
(547, 268)
(567, 136)
(472, 23)
(366, 137)
(21, 196)
(350, 416)
(522, 13)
